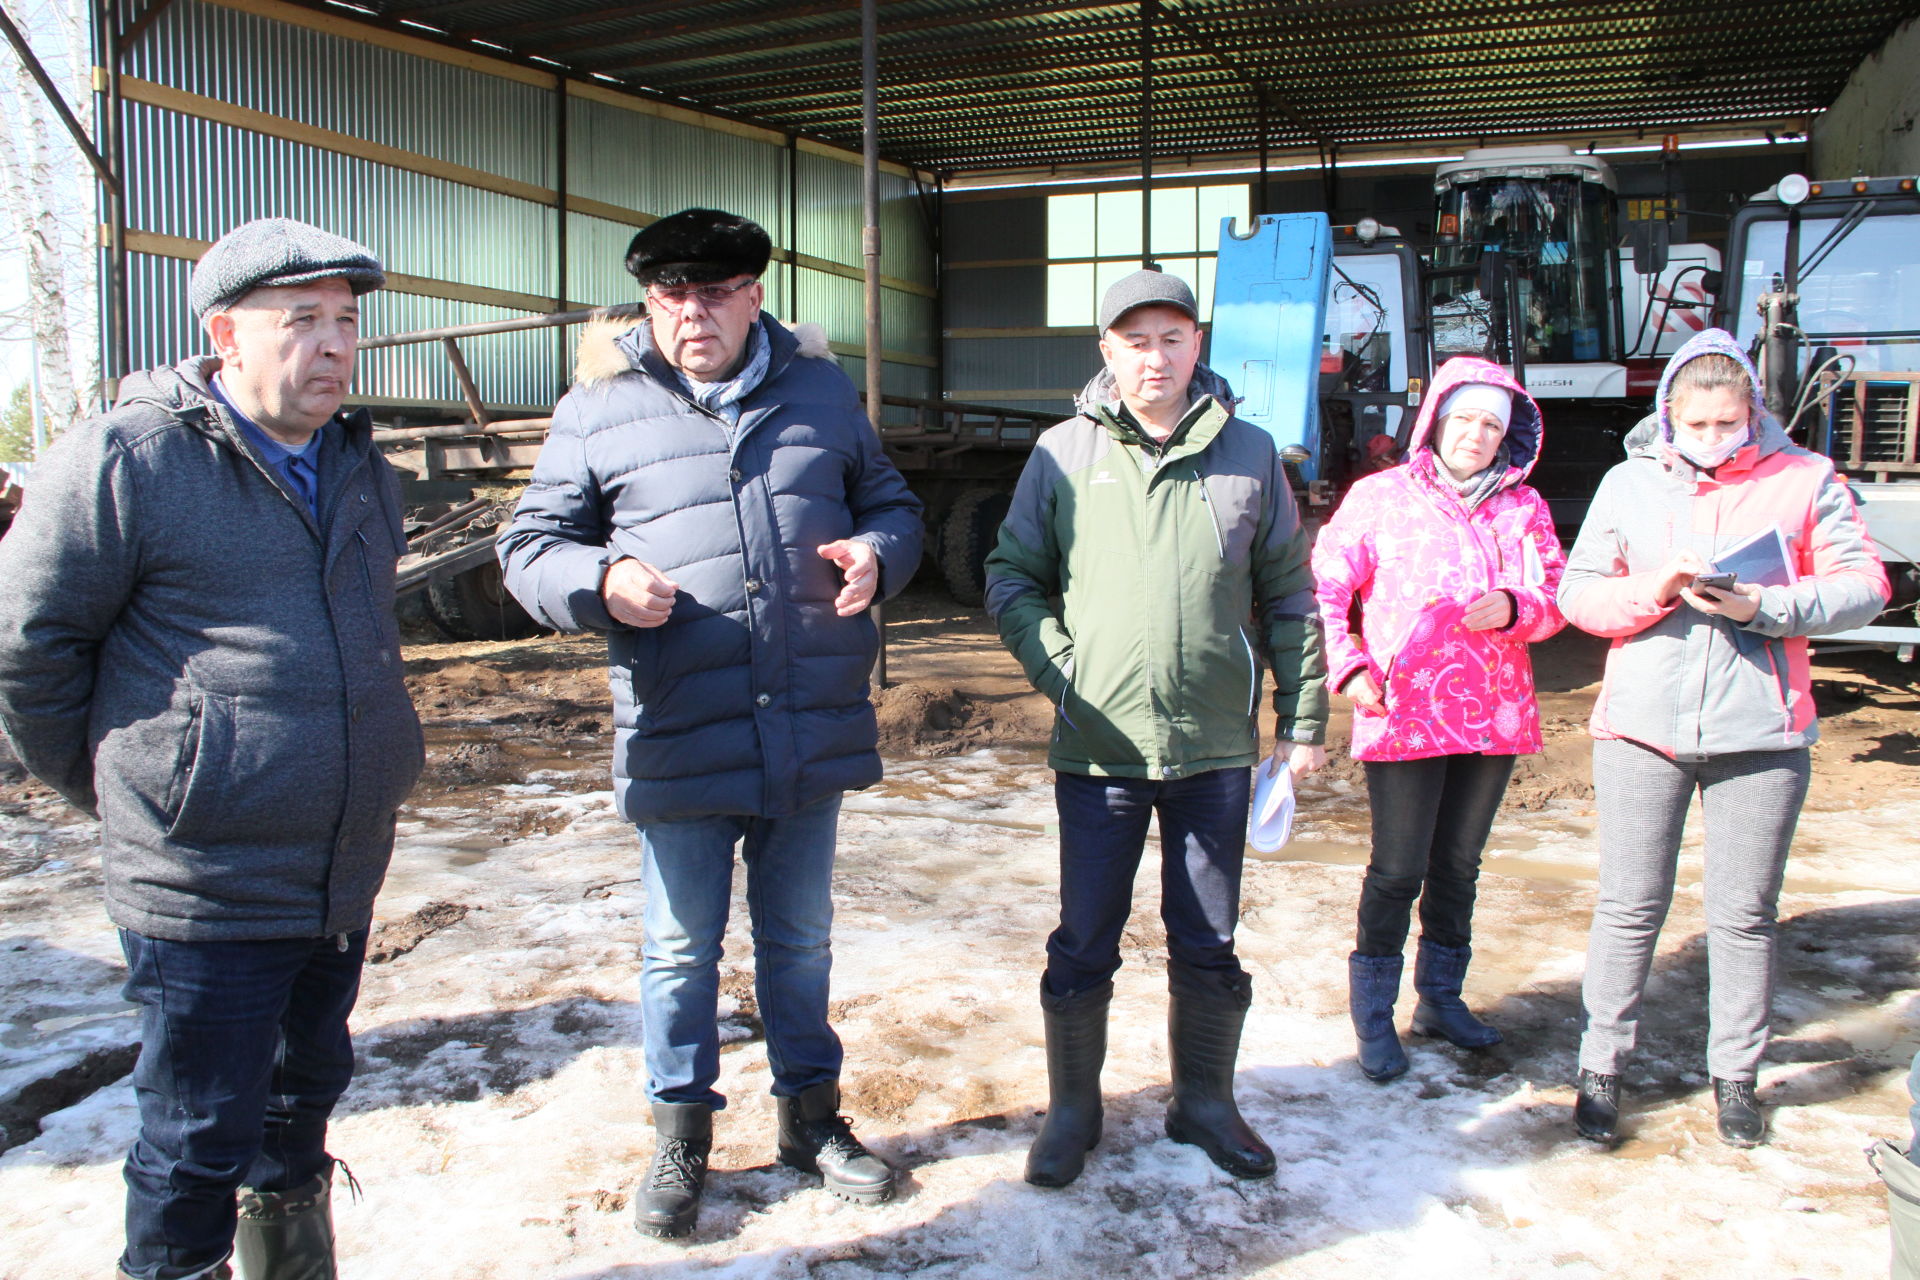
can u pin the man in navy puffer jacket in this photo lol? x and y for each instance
(712, 497)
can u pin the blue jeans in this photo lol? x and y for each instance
(1103, 832)
(689, 877)
(243, 1052)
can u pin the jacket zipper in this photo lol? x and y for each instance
(1253, 676)
(1206, 500)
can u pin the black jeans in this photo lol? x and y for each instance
(1430, 822)
(243, 1052)
(1103, 832)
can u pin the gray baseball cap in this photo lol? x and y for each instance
(276, 251)
(1146, 287)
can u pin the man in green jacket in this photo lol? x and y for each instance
(1152, 558)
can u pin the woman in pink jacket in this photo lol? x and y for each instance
(1455, 564)
(1708, 691)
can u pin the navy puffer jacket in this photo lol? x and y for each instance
(752, 697)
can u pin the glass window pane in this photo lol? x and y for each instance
(1119, 224)
(1207, 266)
(1070, 226)
(1173, 220)
(1217, 203)
(1070, 294)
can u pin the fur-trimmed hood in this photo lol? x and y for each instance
(613, 345)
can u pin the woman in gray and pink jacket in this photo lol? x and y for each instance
(1707, 689)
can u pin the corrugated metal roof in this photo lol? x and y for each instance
(970, 85)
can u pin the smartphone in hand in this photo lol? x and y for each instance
(1718, 581)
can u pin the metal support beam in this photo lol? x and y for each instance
(870, 247)
(1260, 209)
(120, 325)
(561, 110)
(793, 227)
(1146, 132)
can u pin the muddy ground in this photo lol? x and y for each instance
(952, 688)
(497, 1122)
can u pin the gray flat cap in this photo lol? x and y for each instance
(1148, 287)
(273, 251)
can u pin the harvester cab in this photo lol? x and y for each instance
(1824, 287)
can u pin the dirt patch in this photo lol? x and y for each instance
(953, 688)
(394, 939)
(884, 1095)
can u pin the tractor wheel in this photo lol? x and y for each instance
(966, 537)
(476, 605)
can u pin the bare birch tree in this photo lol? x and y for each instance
(47, 191)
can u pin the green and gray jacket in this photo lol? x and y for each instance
(1141, 589)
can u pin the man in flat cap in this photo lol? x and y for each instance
(712, 497)
(1151, 564)
(197, 646)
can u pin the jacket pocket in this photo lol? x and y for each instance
(204, 758)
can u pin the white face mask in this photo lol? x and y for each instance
(1709, 456)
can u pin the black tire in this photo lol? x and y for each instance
(476, 605)
(966, 538)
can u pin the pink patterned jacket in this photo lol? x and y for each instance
(1406, 546)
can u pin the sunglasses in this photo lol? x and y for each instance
(713, 295)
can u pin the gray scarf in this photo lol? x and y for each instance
(1479, 486)
(723, 398)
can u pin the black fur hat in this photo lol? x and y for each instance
(698, 246)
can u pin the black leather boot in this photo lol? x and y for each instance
(1438, 974)
(1741, 1124)
(1205, 1013)
(668, 1198)
(1373, 984)
(1596, 1106)
(1076, 1051)
(816, 1138)
(286, 1235)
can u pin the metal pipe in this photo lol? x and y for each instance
(462, 430)
(459, 515)
(464, 376)
(626, 310)
(56, 101)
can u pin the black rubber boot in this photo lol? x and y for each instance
(668, 1198)
(1076, 1051)
(286, 1235)
(1438, 974)
(1205, 1013)
(816, 1138)
(1741, 1124)
(1373, 984)
(1596, 1106)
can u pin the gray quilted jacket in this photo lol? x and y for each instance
(188, 654)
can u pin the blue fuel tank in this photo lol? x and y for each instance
(1269, 324)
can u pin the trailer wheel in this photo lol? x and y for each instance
(476, 605)
(966, 537)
